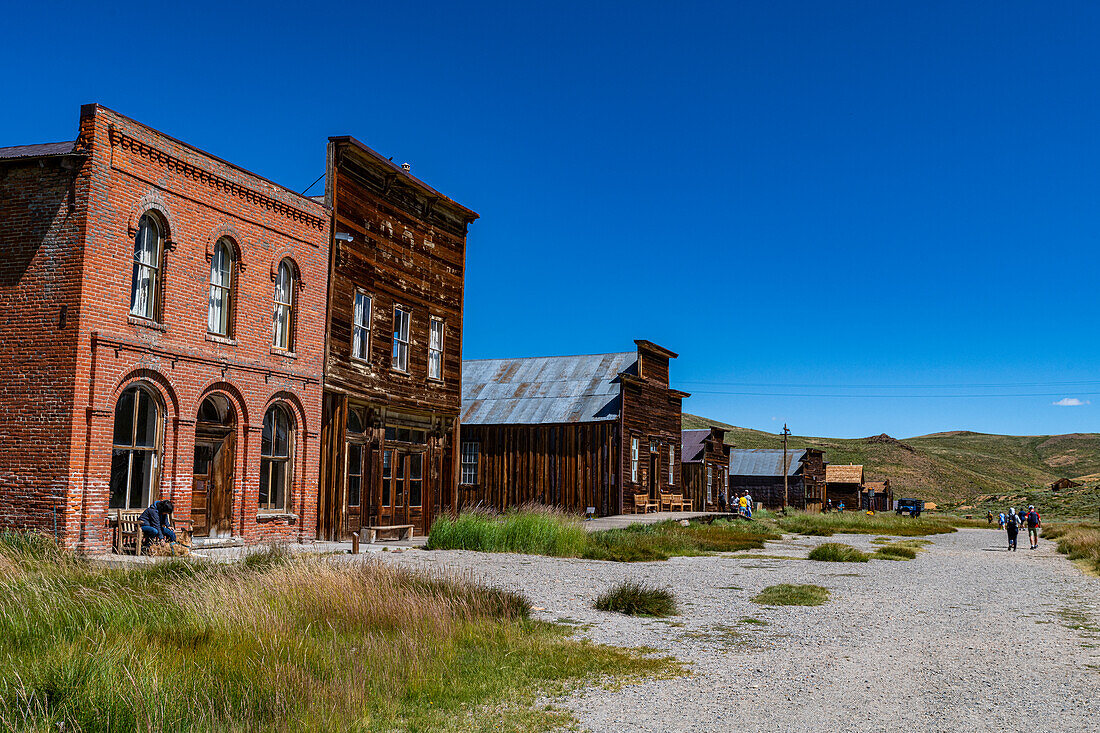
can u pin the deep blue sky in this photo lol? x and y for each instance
(846, 209)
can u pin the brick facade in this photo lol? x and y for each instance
(73, 347)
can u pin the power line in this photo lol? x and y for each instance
(944, 385)
(851, 395)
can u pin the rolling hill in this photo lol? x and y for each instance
(959, 468)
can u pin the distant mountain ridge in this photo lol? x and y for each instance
(954, 468)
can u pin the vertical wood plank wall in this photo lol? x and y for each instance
(569, 466)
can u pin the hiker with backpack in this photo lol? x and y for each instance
(1033, 524)
(1012, 526)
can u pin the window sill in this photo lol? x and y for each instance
(436, 380)
(221, 339)
(400, 372)
(287, 517)
(145, 323)
(283, 352)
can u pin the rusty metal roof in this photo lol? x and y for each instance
(764, 461)
(544, 390)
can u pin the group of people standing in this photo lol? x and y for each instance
(1013, 521)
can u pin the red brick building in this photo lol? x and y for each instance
(163, 315)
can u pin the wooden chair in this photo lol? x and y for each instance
(643, 504)
(666, 501)
(676, 503)
(128, 533)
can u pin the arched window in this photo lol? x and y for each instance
(147, 254)
(135, 458)
(275, 459)
(221, 288)
(284, 306)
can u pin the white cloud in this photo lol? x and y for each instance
(1070, 402)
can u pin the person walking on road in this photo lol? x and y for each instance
(1033, 524)
(1001, 521)
(1012, 526)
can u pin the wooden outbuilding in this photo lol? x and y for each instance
(570, 431)
(759, 471)
(844, 483)
(705, 468)
(877, 496)
(393, 356)
(1064, 483)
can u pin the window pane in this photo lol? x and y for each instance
(120, 470)
(124, 418)
(143, 288)
(265, 481)
(142, 472)
(353, 490)
(281, 321)
(147, 243)
(145, 429)
(219, 266)
(355, 425)
(278, 484)
(283, 289)
(387, 476)
(415, 490)
(416, 466)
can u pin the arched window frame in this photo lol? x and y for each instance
(147, 267)
(276, 461)
(128, 446)
(221, 304)
(284, 304)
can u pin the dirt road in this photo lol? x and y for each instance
(965, 637)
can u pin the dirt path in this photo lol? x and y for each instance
(965, 637)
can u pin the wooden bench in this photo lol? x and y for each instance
(643, 504)
(379, 532)
(676, 503)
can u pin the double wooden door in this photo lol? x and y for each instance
(212, 486)
(403, 489)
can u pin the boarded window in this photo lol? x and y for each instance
(146, 276)
(471, 453)
(135, 458)
(634, 460)
(275, 459)
(284, 307)
(221, 288)
(435, 350)
(360, 337)
(401, 318)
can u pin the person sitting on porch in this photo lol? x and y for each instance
(156, 522)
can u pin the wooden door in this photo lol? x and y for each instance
(356, 480)
(200, 487)
(220, 493)
(654, 477)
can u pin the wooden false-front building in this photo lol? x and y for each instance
(705, 468)
(393, 361)
(844, 483)
(759, 471)
(575, 432)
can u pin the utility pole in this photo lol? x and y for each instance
(786, 432)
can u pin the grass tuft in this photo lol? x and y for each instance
(838, 552)
(826, 525)
(636, 598)
(792, 595)
(1080, 542)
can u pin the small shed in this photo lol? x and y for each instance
(760, 471)
(1064, 483)
(877, 496)
(844, 483)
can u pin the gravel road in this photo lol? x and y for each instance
(966, 637)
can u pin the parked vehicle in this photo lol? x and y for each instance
(913, 507)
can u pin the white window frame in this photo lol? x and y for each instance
(435, 348)
(222, 290)
(634, 460)
(399, 360)
(671, 465)
(470, 462)
(710, 484)
(146, 274)
(286, 308)
(361, 331)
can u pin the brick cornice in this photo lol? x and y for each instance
(213, 180)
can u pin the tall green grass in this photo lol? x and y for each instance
(826, 525)
(837, 552)
(1080, 542)
(637, 598)
(289, 644)
(546, 532)
(528, 532)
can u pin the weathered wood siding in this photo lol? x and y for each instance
(651, 413)
(570, 466)
(407, 249)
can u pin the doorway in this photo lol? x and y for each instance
(402, 500)
(212, 472)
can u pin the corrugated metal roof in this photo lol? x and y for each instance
(764, 461)
(691, 444)
(37, 151)
(543, 390)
